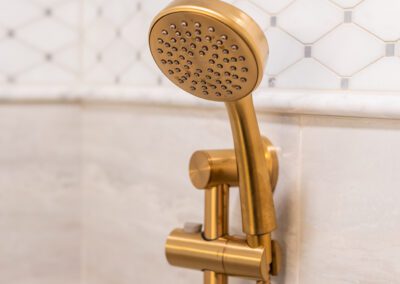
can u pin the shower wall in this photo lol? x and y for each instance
(70, 48)
(95, 142)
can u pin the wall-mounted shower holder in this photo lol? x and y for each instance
(212, 249)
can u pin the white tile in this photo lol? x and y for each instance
(254, 11)
(48, 35)
(284, 50)
(380, 17)
(118, 56)
(18, 12)
(350, 201)
(99, 73)
(382, 75)
(51, 2)
(134, 32)
(99, 33)
(68, 12)
(140, 75)
(118, 12)
(308, 20)
(69, 58)
(90, 13)
(152, 7)
(47, 74)
(347, 3)
(267, 82)
(16, 57)
(353, 49)
(273, 6)
(308, 74)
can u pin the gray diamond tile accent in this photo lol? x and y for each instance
(390, 49)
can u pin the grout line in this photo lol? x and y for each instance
(289, 66)
(81, 42)
(81, 181)
(299, 197)
(326, 34)
(366, 66)
(286, 7)
(367, 31)
(327, 67)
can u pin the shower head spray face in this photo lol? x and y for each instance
(209, 48)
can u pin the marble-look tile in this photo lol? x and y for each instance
(301, 20)
(347, 3)
(380, 17)
(137, 188)
(279, 59)
(40, 194)
(274, 6)
(284, 133)
(307, 74)
(350, 213)
(382, 75)
(354, 49)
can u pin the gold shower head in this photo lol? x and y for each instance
(209, 48)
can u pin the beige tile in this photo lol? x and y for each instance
(350, 213)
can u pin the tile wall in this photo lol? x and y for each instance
(315, 44)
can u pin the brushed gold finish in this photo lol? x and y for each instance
(216, 212)
(216, 52)
(211, 277)
(276, 265)
(226, 255)
(258, 211)
(216, 222)
(210, 168)
(210, 49)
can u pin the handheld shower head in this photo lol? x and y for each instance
(215, 51)
(210, 49)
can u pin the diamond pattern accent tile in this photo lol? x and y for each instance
(307, 74)
(302, 21)
(284, 50)
(47, 35)
(380, 17)
(383, 75)
(314, 44)
(18, 12)
(15, 57)
(273, 6)
(347, 3)
(116, 44)
(39, 42)
(354, 49)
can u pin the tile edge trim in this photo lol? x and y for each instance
(316, 102)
